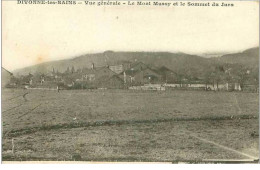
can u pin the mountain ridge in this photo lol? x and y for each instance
(174, 61)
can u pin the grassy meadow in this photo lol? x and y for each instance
(124, 125)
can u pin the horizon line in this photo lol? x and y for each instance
(203, 55)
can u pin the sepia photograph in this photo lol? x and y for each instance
(130, 82)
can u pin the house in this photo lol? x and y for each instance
(117, 68)
(114, 82)
(38, 79)
(141, 74)
(168, 76)
(148, 76)
(88, 78)
(27, 80)
(138, 66)
(103, 72)
(8, 78)
(96, 74)
(87, 75)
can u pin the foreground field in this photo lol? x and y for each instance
(172, 141)
(129, 125)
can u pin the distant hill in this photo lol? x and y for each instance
(174, 61)
(249, 57)
(178, 62)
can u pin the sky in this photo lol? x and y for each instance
(32, 34)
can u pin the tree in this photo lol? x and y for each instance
(68, 70)
(207, 78)
(72, 69)
(218, 75)
(254, 76)
(240, 74)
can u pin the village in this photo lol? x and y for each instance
(132, 76)
(129, 82)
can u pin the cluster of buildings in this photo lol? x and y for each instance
(113, 77)
(135, 76)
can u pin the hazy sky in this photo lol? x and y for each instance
(37, 33)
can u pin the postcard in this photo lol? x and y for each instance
(130, 81)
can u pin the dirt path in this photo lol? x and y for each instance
(17, 132)
(221, 146)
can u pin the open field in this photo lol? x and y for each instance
(121, 125)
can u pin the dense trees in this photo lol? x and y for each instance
(231, 73)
